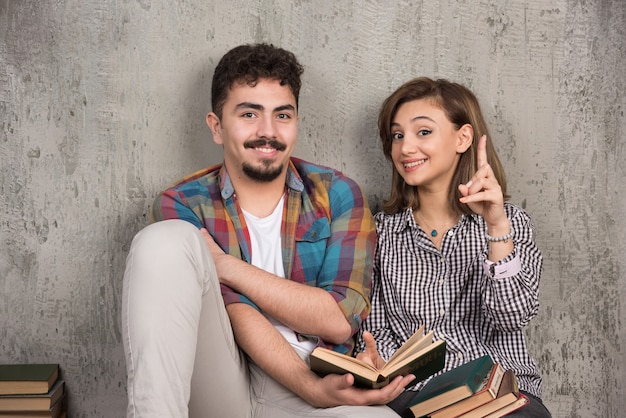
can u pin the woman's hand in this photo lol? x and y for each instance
(483, 194)
(370, 355)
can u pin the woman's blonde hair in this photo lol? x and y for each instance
(461, 107)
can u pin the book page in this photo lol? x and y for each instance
(401, 362)
(342, 360)
(417, 335)
(409, 348)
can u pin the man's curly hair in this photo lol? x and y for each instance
(249, 63)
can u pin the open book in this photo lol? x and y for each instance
(419, 355)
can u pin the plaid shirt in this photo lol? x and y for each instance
(476, 306)
(328, 232)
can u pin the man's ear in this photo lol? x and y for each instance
(465, 137)
(216, 128)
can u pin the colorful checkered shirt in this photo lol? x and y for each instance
(328, 232)
(477, 307)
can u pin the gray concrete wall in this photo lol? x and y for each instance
(102, 104)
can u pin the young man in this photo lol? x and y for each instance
(254, 262)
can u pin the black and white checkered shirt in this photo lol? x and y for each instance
(476, 306)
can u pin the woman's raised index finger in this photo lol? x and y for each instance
(482, 151)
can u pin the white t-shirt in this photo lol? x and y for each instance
(267, 255)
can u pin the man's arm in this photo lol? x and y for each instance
(305, 309)
(269, 350)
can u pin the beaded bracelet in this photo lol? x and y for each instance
(504, 238)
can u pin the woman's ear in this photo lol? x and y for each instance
(216, 128)
(465, 137)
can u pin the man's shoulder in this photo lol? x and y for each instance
(328, 188)
(202, 178)
(314, 172)
(305, 168)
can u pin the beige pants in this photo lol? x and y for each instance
(181, 356)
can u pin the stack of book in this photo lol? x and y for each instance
(477, 389)
(31, 390)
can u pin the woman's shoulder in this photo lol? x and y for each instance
(394, 221)
(514, 211)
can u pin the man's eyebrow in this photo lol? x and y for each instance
(285, 107)
(256, 106)
(249, 105)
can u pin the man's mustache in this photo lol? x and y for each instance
(264, 142)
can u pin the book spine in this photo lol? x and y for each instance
(496, 380)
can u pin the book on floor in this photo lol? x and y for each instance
(56, 411)
(451, 386)
(33, 402)
(508, 395)
(419, 355)
(27, 378)
(487, 392)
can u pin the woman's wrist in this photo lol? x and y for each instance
(500, 230)
(501, 238)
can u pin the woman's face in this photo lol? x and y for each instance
(426, 146)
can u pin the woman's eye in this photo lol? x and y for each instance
(424, 132)
(396, 136)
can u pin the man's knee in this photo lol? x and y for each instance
(165, 235)
(171, 248)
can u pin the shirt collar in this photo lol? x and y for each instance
(293, 181)
(407, 220)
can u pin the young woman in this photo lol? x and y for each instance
(452, 254)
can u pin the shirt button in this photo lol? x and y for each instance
(442, 259)
(460, 356)
(442, 311)
(441, 281)
(450, 232)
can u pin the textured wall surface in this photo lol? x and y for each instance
(102, 104)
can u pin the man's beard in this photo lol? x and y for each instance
(267, 173)
(263, 174)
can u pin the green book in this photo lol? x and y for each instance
(22, 379)
(451, 386)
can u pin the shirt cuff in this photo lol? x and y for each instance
(503, 270)
(230, 296)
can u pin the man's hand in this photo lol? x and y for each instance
(336, 390)
(340, 389)
(215, 249)
(220, 258)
